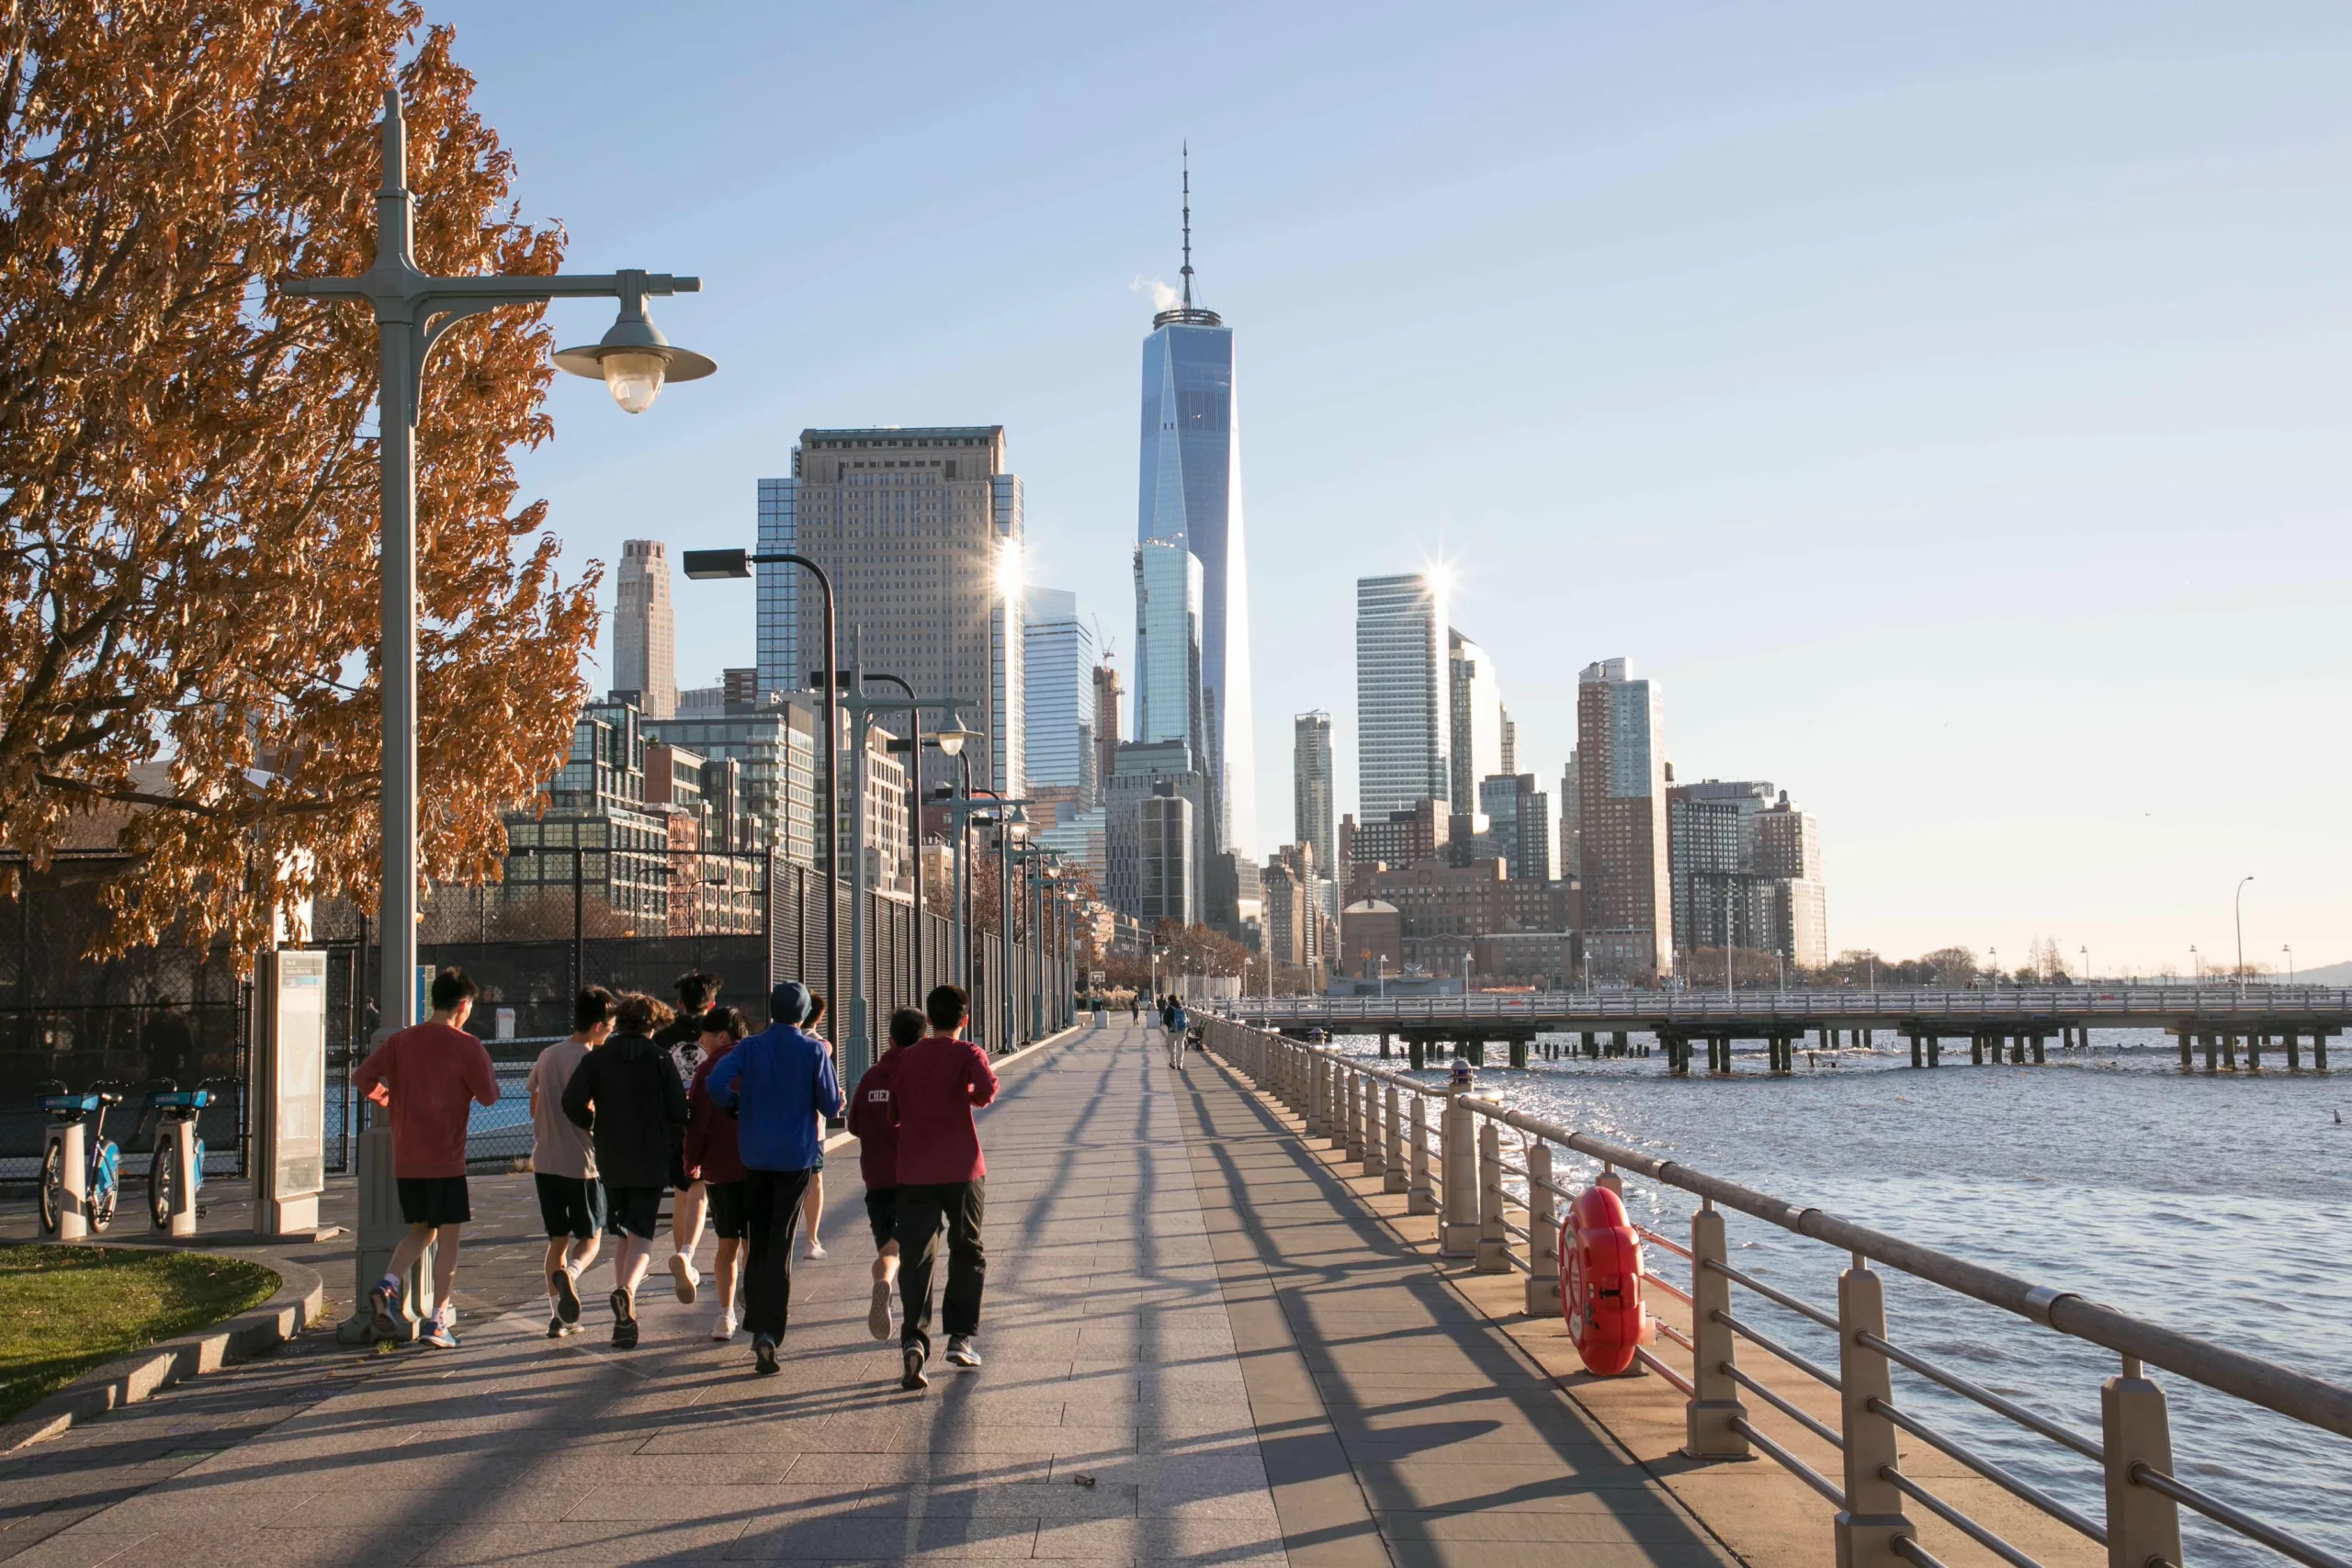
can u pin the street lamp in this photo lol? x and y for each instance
(2196, 966)
(2238, 913)
(2289, 952)
(2086, 951)
(705, 566)
(413, 309)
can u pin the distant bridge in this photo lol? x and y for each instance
(2021, 1021)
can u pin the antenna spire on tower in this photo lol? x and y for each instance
(1188, 224)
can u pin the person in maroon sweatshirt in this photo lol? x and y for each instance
(874, 1122)
(940, 1080)
(712, 1160)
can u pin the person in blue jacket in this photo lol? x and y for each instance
(779, 1083)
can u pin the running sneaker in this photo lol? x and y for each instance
(624, 1321)
(724, 1329)
(877, 1314)
(910, 1362)
(556, 1326)
(566, 1295)
(682, 1270)
(815, 1248)
(437, 1332)
(380, 1321)
(960, 1354)
(763, 1356)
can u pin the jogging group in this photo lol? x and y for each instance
(643, 1098)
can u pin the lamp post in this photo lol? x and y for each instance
(2086, 951)
(2290, 950)
(2196, 966)
(949, 740)
(2237, 912)
(703, 566)
(413, 310)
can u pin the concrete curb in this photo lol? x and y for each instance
(299, 1300)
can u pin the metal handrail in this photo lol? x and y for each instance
(1958, 1520)
(1991, 1472)
(1817, 1428)
(2029, 1419)
(1789, 1462)
(1987, 1001)
(1780, 1298)
(1818, 1373)
(2245, 1524)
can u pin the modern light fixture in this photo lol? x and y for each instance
(951, 742)
(703, 566)
(633, 360)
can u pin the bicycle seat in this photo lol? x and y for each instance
(108, 1097)
(181, 1099)
(69, 1104)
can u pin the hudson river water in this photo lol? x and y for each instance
(2218, 1205)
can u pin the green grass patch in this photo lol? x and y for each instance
(69, 1309)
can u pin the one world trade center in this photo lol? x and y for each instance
(1191, 495)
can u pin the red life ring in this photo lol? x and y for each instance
(1600, 1282)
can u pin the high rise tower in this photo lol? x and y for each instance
(1404, 695)
(1190, 495)
(645, 632)
(1621, 815)
(1310, 766)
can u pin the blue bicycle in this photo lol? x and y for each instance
(103, 1180)
(163, 1172)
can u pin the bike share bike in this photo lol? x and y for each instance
(178, 1110)
(102, 1173)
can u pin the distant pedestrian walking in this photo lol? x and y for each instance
(628, 1094)
(428, 1076)
(563, 1162)
(714, 1163)
(941, 1079)
(1176, 1024)
(780, 1081)
(1135, 1007)
(873, 1118)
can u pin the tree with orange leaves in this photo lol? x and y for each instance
(187, 469)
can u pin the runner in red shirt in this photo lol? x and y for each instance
(940, 1080)
(873, 1121)
(428, 1076)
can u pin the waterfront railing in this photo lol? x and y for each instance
(2216, 1002)
(1451, 1153)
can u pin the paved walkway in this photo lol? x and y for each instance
(1200, 1348)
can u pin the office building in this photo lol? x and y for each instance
(1059, 701)
(1189, 494)
(1081, 840)
(1518, 831)
(920, 531)
(645, 634)
(1571, 841)
(596, 833)
(772, 740)
(1107, 733)
(1310, 765)
(1511, 744)
(1404, 695)
(1141, 773)
(1621, 777)
(1787, 850)
(738, 689)
(1476, 735)
(1294, 918)
(1417, 833)
(1167, 646)
(1156, 840)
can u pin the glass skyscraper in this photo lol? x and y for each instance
(1404, 695)
(1190, 494)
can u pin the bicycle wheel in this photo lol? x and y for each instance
(162, 1185)
(52, 1188)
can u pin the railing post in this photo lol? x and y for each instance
(1318, 1099)
(1542, 1233)
(1374, 1151)
(1457, 1152)
(1355, 1115)
(1395, 1178)
(2142, 1524)
(1871, 1521)
(1423, 1201)
(1494, 1242)
(1714, 1403)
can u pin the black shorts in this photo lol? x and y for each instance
(727, 1207)
(632, 1211)
(882, 1213)
(570, 1206)
(433, 1200)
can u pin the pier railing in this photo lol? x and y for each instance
(1452, 1154)
(2220, 1003)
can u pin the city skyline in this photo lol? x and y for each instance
(1962, 338)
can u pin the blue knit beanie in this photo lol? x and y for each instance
(789, 1003)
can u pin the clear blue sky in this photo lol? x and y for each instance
(1949, 406)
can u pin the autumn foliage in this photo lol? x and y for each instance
(188, 590)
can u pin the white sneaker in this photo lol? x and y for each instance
(877, 1315)
(681, 1270)
(815, 1248)
(724, 1329)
